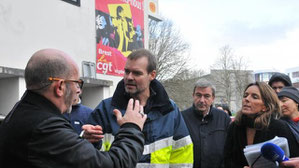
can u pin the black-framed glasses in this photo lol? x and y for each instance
(79, 82)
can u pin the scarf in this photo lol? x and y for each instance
(247, 121)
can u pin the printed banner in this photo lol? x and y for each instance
(119, 31)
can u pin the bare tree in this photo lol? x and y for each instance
(223, 74)
(171, 50)
(242, 76)
(231, 77)
(180, 88)
(172, 53)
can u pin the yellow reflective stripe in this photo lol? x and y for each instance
(182, 151)
(107, 141)
(161, 156)
(182, 155)
(177, 152)
(157, 145)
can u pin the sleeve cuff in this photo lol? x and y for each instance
(130, 125)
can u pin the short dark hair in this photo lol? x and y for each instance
(152, 62)
(204, 84)
(38, 71)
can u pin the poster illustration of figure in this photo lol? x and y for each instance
(119, 31)
(104, 29)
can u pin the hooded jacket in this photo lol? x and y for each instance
(167, 140)
(280, 77)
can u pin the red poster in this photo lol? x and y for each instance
(119, 31)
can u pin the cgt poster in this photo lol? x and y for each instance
(119, 31)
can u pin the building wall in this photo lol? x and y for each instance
(10, 94)
(91, 96)
(265, 75)
(27, 26)
(31, 25)
(293, 73)
(216, 77)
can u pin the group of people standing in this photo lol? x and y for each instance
(268, 110)
(139, 126)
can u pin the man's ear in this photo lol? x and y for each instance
(213, 97)
(153, 75)
(59, 88)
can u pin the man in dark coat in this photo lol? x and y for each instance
(35, 134)
(207, 126)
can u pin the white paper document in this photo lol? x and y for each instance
(253, 153)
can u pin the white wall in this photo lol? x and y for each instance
(22, 87)
(30, 25)
(9, 91)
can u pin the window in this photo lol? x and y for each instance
(89, 69)
(295, 74)
(74, 2)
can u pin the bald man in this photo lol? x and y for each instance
(35, 134)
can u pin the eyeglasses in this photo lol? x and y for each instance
(79, 82)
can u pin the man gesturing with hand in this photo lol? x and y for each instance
(35, 133)
(167, 139)
(95, 133)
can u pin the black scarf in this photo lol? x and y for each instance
(247, 121)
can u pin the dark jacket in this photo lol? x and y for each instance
(35, 134)
(280, 77)
(78, 117)
(294, 127)
(208, 135)
(237, 140)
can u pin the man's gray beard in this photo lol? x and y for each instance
(133, 94)
(69, 110)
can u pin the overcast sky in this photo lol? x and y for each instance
(264, 32)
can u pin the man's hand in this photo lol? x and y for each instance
(134, 114)
(92, 133)
(292, 163)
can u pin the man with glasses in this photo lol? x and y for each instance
(35, 134)
(207, 126)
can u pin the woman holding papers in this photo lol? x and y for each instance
(289, 101)
(256, 122)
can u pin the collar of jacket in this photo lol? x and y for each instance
(40, 101)
(200, 116)
(160, 100)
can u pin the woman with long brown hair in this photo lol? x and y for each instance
(257, 121)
